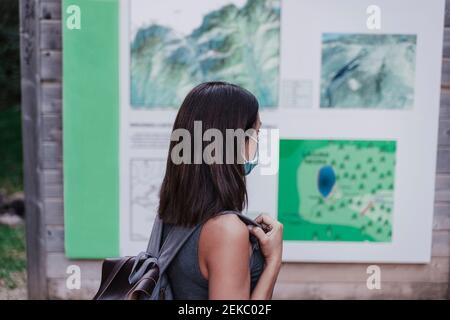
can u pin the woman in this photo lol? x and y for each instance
(218, 261)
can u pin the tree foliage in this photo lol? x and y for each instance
(9, 54)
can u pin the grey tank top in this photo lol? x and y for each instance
(185, 277)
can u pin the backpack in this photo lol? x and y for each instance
(143, 277)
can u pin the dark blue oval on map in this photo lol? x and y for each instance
(326, 180)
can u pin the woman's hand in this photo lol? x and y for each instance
(270, 239)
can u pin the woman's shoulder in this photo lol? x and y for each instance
(224, 244)
(225, 228)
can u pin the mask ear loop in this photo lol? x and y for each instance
(256, 156)
(257, 150)
(255, 159)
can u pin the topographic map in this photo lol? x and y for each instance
(336, 190)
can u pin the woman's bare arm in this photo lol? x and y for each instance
(224, 261)
(266, 283)
(224, 257)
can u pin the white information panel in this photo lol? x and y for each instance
(349, 97)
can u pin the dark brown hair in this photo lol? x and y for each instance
(192, 193)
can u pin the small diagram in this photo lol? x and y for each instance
(146, 179)
(336, 190)
(370, 71)
(296, 93)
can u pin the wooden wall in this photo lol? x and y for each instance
(42, 107)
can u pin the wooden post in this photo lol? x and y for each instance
(31, 123)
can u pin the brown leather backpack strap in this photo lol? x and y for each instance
(105, 284)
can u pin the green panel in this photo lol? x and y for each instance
(91, 128)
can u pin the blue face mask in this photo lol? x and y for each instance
(250, 164)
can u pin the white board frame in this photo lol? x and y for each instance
(415, 130)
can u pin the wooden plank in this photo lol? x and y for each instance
(30, 65)
(441, 244)
(445, 80)
(54, 211)
(51, 98)
(443, 160)
(51, 65)
(442, 188)
(51, 128)
(441, 218)
(446, 44)
(28, 47)
(57, 289)
(51, 157)
(447, 13)
(51, 38)
(444, 133)
(436, 271)
(354, 291)
(50, 9)
(444, 113)
(55, 238)
(52, 192)
(53, 184)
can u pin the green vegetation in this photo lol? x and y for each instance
(12, 239)
(10, 150)
(9, 54)
(10, 129)
(12, 254)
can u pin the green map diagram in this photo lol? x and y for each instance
(336, 190)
